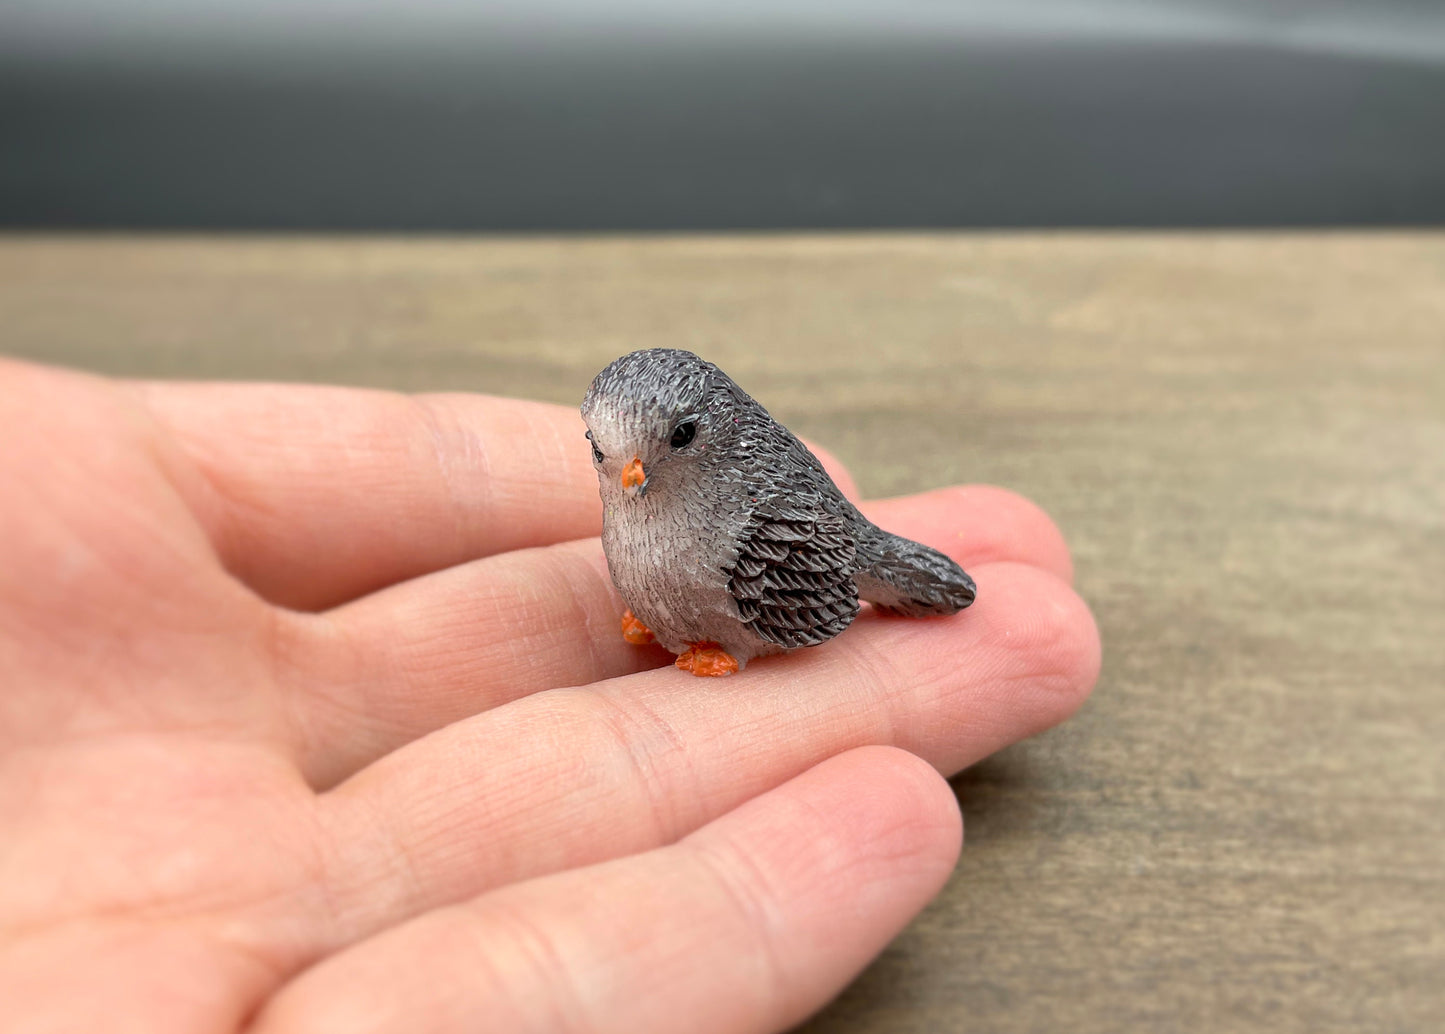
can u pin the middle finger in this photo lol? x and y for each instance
(403, 662)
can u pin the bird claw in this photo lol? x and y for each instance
(634, 631)
(707, 660)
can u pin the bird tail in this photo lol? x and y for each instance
(908, 578)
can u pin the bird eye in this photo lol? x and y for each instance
(597, 456)
(683, 435)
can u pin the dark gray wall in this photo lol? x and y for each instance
(630, 115)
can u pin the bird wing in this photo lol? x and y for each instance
(793, 577)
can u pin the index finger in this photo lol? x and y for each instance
(318, 495)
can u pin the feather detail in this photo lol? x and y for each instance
(792, 578)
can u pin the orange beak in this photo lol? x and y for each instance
(633, 476)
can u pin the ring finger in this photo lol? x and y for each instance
(571, 777)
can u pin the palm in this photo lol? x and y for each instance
(282, 741)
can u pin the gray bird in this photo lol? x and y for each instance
(725, 536)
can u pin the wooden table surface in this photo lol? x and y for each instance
(1243, 437)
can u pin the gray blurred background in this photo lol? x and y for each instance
(650, 114)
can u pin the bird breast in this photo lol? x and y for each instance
(668, 566)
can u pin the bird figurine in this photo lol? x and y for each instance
(724, 535)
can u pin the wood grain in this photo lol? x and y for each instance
(1242, 435)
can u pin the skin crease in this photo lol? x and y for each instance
(282, 748)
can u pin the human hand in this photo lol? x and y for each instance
(282, 746)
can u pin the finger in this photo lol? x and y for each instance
(584, 774)
(395, 665)
(318, 494)
(750, 924)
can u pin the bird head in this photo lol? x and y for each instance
(654, 417)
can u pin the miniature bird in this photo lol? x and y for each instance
(725, 536)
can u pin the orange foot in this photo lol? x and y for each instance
(634, 631)
(707, 659)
